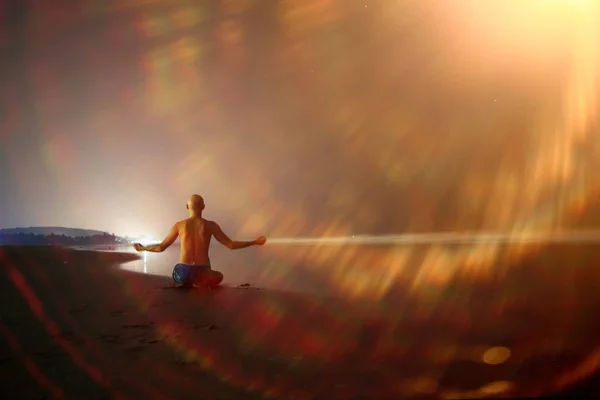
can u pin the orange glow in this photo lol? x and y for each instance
(462, 115)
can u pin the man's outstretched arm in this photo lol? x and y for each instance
(234, 244)
(160, 247)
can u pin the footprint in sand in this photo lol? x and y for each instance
(148, 340)
(136, 348)
(248, 286)
(208, 327)
(110, 338)
(141, 336)
(139, 326)
(79, 309)
(185, 362)
(67, 335)
(117, 313)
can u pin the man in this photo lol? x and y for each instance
(194, 234)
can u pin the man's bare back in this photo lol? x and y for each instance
(195, 234)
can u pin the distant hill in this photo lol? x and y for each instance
(58, 236)
(52, 230)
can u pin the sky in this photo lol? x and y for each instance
(299, 117)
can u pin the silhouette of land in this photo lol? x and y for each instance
(57, 236)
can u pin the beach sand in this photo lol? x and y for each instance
(74, 325)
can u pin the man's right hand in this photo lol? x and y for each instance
(138, 247)
(260, 241)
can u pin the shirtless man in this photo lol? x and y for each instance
(195, 233)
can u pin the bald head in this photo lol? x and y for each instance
(195, 204)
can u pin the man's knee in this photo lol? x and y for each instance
(215, 278)
(212, 278)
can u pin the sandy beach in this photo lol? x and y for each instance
(75, 325)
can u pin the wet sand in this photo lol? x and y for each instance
(74, 325)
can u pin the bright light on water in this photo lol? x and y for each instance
(147, 240)
(449, 237)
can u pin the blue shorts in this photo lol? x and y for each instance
(187, 275)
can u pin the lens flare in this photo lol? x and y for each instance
(448, 238)
(471, 123)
